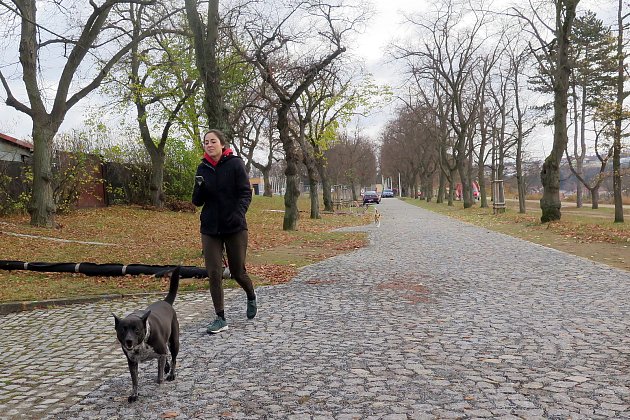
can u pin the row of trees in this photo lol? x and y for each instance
(480, 83)
(272, 75)
(278, 79)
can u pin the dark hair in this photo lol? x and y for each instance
(220, 135)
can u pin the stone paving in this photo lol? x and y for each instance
(435, 319)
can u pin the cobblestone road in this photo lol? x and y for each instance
(435, 319)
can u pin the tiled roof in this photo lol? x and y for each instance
(15, 141)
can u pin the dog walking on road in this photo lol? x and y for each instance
(377, 218)
(151, 334)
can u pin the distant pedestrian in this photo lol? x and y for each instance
(222, 188)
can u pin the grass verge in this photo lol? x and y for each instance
(584, 232)
(133, 235)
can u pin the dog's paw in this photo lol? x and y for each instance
(170, 377)
(132, 398)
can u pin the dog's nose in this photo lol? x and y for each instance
(128, 343)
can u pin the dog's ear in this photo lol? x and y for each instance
(116, 320)
(145, 317)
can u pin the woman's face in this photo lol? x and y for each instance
(212, 146)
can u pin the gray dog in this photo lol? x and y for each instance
(150, 334)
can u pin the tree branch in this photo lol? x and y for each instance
(11, 100)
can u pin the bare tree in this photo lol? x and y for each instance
(270, 46)
(553, 61)
(337, 95)
(519, 60)
(352, 161)
(603, 152)
(255, 131)
(409, 149)
(304, 108)
(619, 114)
(450, 54)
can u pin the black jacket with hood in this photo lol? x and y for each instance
(225, 195)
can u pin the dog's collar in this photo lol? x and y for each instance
(147, 333)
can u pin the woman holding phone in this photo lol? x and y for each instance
(222, 188)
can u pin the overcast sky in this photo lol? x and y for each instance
(385, 26)
(371, 45)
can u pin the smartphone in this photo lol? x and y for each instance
(199, 179)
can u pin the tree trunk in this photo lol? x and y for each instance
(42, 207)
(582, 154)
(155, 153)
(441, 187)
(576, 149)
(550, 173)
(314, 198)
(520, 180)
(462, 167)
(481, 176)
(482, 150)
(205, 42)
(353, 188)
(595, 197)
(291, 212)
(313, 181)
(429, 187)
(618, 119)
(550, 178)
(469, 164)
(292, 159)
(326, 195)
(157, 179)
(451, 188)
(311, 169)
(268, 190)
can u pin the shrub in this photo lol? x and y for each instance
(15, 187)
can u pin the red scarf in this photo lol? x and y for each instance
(226, 152)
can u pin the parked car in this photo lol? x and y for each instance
(387, 194)
(371, 197)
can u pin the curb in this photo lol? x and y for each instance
(12, 307)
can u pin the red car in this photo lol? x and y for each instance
(371, 197)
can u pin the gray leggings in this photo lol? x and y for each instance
(236, 250)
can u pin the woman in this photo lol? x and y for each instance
(222, 188)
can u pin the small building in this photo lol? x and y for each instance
(258, 185)
(14, 150)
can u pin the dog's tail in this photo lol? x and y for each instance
(172, 290)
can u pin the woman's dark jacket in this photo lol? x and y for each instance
(225, 196)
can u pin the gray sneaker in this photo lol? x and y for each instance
(252, 308)
(218, 325)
